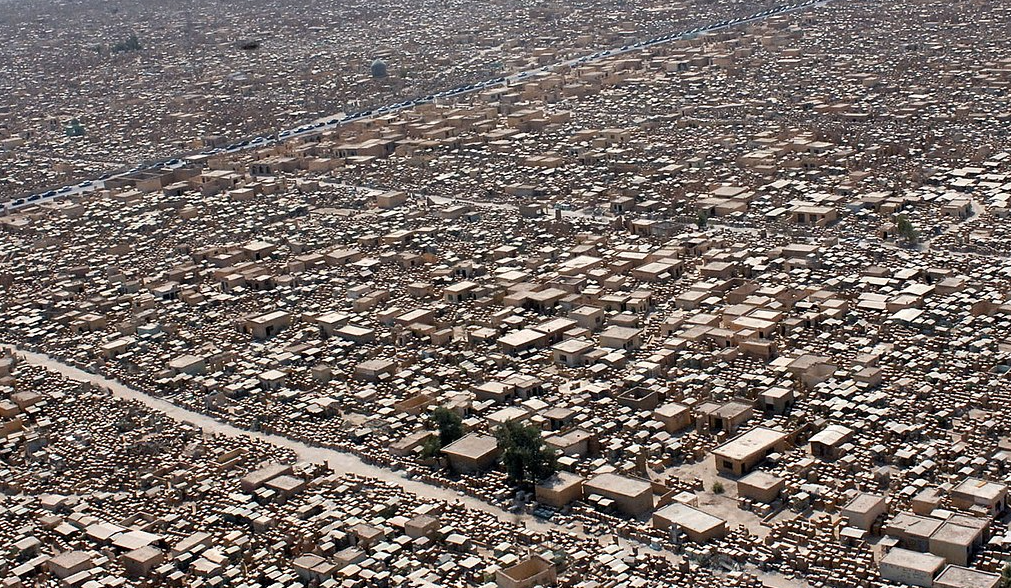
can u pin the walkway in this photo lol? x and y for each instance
(341, 462)
(338, 461)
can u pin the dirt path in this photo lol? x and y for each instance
(340, 461)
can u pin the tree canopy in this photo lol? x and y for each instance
(906, 229)
(449, 424)
(526, 457)
(450, 427)
(132, 43)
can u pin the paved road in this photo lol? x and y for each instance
(344, 462)
(329, 123)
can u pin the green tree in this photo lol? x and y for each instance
(132, 43)
(449, 424)
(702, 220)
(906, 229)
(526, 457)
(1005, 576)
(431, 447)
